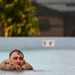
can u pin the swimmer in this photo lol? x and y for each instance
(15, 62)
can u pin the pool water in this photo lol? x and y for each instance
(45, 62)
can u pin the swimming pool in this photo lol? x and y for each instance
(45, 62)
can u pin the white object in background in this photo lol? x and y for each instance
(48, 43)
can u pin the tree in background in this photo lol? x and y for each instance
(17, 18)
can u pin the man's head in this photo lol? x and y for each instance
(17, 57)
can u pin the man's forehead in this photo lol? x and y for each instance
(16, 53)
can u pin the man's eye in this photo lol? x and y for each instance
(21, 58)
(15, 58)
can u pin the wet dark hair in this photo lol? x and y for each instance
(16, 50)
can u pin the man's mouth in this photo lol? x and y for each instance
(18, 64)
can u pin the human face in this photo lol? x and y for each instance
(17, 58)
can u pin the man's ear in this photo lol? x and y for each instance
(24, 61)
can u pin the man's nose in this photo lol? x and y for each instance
(18, 60)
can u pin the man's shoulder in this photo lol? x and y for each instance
(8, 65)
(27, 66)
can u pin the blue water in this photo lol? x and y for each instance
(45, 62)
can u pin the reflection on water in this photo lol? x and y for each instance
(45, 62)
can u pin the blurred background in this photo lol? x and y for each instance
(37, 18)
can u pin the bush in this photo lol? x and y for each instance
(17, 18)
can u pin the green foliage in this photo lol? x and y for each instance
(17, 17)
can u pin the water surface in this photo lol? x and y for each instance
(45, 62)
